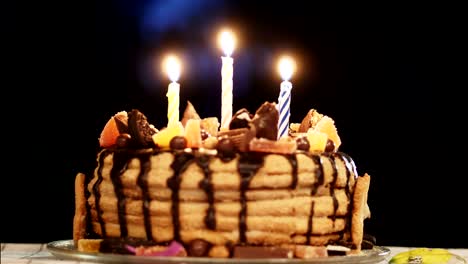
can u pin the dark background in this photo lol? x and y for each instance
(382, 72)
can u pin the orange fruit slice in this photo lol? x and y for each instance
(110, 132)
(193, 133)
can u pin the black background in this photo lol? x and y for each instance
(382, 72)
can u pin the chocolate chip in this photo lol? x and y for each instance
(198, 248)
(178, 143)
(226, 148)
(303, 143)
(204, 134)
(330, 147)
(123, 140)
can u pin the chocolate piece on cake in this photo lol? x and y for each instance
(241, 119)
(266, 121)
(140, 130)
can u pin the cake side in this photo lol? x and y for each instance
(229, 196)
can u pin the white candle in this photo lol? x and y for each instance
(172, 66)
(286, 68)
(227, 42)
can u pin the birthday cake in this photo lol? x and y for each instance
(195, 189)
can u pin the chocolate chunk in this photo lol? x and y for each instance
(266, 121)
(140, 130)
(198, 248)
(241, 137)
(121, 120)
(123, 140)
(255, 252)
(178, 143)
(303, 143)
(368, 242)
(330, 146)
(204, 134)
(240, 119)
(226, 148)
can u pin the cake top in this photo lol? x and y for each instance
(246, 132)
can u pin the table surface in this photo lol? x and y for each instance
(38, 253)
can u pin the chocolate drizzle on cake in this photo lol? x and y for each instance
(349, 164)
(142, 181)
(332, 187)
(249, 163)
(293, 161)
(310, 222)
(120, 161)
(207, 186)
(318, 173)
(97, 194)
(180, 163)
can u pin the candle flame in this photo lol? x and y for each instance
(227, 41)
(172, 66)
(286, 67)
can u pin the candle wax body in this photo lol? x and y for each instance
(226, 95)
(173, 103)
(284, 101)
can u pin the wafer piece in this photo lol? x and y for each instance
(79, 219)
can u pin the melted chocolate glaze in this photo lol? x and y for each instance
(120, 161)
(180, 163)
(332, 187)
(349, 167)
(97, 193)
(318, 173)
(142, 181)
(249, 163)
(309, 223)
(207, 186)
(293, 161)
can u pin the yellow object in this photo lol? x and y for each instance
(327, 125)
(422, 255)
(164, 136)
(173, 103)
(317, 140)
(193, 133)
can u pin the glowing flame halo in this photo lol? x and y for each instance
(227, 41)
(172, 67)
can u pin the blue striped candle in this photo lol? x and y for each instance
(284, 102)
(286, 68)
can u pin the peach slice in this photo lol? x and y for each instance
(317, 140)
(327, 125)
(193, 133)
(110, 132)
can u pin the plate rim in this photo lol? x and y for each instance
(58, 249)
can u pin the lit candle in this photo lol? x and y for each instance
(172, 67)
(227, 42)
(286, 68)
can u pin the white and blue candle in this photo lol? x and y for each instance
(286, 69)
